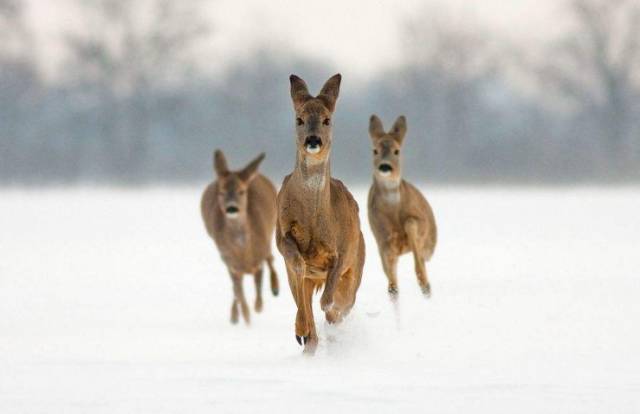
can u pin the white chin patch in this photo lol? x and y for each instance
(313, 150)
(384, 173)
(232, 215)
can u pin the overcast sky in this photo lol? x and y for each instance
(361, 36)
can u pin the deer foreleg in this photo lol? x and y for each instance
(333, 274)
(289, 249)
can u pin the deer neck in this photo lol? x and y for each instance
(389, 189)
(313, 178)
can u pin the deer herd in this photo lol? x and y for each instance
(316, 219)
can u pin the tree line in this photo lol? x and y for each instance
(133, 106)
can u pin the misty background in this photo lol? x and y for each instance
(113, 91)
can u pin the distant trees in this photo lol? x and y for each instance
(596, 69)
(12, 30)
(466, 122)
(448, 72)
(128, 55)
(19, 89)
(131, 105)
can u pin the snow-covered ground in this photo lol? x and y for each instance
(115, 301)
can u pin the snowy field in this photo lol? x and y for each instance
(115, 301)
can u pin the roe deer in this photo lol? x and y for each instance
(318, 229)
(400, 217)
(239, 212)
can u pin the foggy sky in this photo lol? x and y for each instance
(360, 38)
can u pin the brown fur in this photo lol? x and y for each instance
(318, 228)
(400, 217)
(244, 241)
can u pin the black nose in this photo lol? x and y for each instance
(232, 209)
(313, 142)
(385, 168)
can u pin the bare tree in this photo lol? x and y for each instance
(129, 51)
(12, 30)
(449, 67)
(595, 67)
(19, 83)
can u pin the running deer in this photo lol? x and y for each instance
(400, 217)
(318, 229)
(239, 212)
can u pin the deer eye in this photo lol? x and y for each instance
(299, 121)
(375, 152)
(396, 152)
(326, 121)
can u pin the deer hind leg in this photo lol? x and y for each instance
(390, 264)
(411, 228)
(234, 303)
(234, 311)
(273, 277)
(257, 276)
(238, 292)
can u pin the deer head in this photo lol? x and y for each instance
(233, 185)
(313, 117)
(387, 147)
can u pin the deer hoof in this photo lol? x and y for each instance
(326, 303)
(333, 316)
(426, 290)
(275, 291)
(393, 291)
(302, 340)
(310, 349)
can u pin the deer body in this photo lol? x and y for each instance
(239, 212)
(318, 229)
(401, 219)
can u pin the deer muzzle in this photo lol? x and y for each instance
(232, 211)
(313, 144)
(385, 169)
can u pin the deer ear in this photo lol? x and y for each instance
(399, 129)
(220, 163)
(299, 91)
(249, 172)
(376, 130)
(329, 92)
